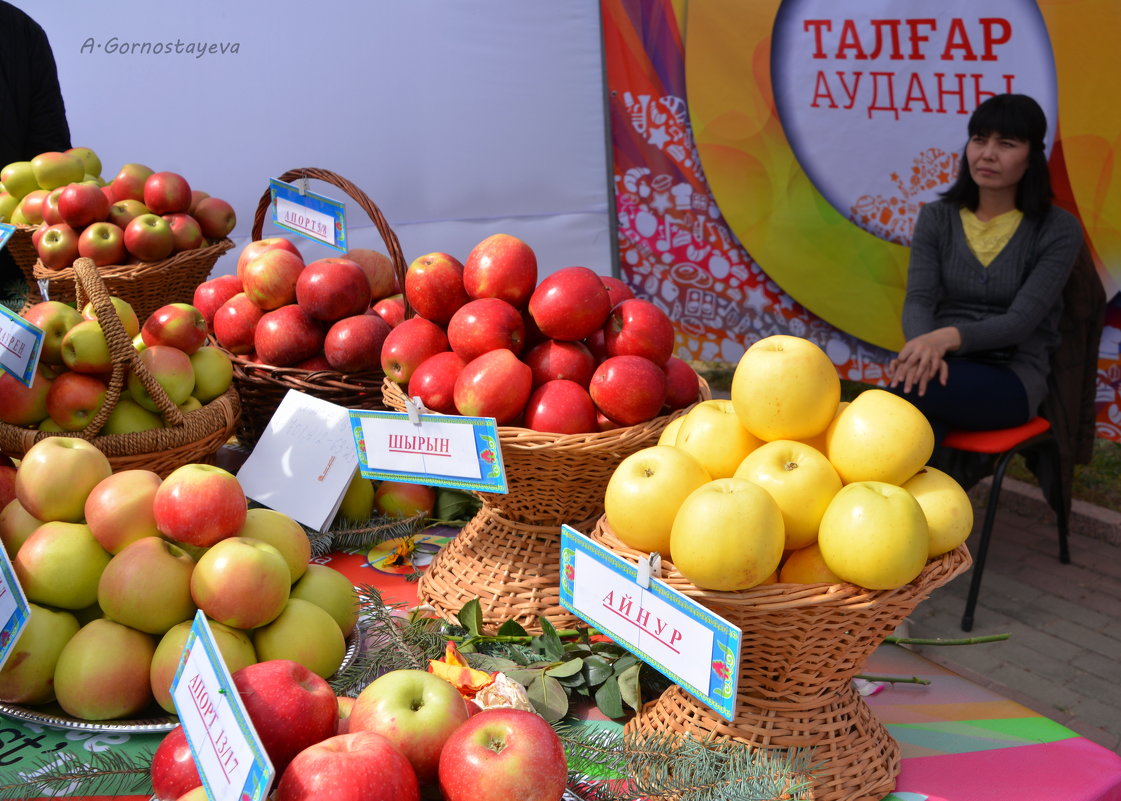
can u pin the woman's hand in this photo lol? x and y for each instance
(924, 358)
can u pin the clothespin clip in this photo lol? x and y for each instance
(415, 407)
(650, 565)
(44, 287)
(303, 186)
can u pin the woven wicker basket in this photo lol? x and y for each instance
(802, 645)
(24, 255)
(187, 438)
(146, 285)
(508, 555)
(261, 386)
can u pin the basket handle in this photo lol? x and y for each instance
(363, 200)
(88, 284)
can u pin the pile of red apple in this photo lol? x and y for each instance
(116, 565)
(330, 314)
(75, 366)
(408, 733)
(139, 216)
(575, 353)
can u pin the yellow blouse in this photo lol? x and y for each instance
(987, 239)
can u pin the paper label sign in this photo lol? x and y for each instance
(669, 631)
(225, 746)
(439, 450)
(20, 346)
(313, 216)
(6, 232)
(14, 608)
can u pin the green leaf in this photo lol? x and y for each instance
(491, 664)
(512, 628)
(609, 700)
(597, 670)
(548, 698)
(548, 642)
(623, 663)
(523, 676)
(471, 617)
(630, 689)
(570, 668)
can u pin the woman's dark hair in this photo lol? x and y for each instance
(1015, 117)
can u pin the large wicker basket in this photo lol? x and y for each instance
(146, 285)
(262, 386)
(802, 644)
(508, 555)
(187, 438)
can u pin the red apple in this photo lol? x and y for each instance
(404, 499)
(173, 371)
(259, 246)
(185, 232)
(21, 405)
(129, 182)
(315, 364)
(561, 407)
(199, 504)
(503, 755)
(103, 242)
(210, 295)
(346, 706)
(287, 335)
(618, 290)
(58, 246)
(122, 212)
(360, 766)
(80, 205)
(74, 399)
(485, 324)
(37, 234)
(639, 328)
(149, 238)
(391, 309)
(215, 217)
(235, 323)
(51, 214)
(167, 193)
(570, 304)
(173, 768)
(433, 381)
(408, 344)
(501, 266)
(245, 583)
(434, 286)
(628, 389)
(333, 288)
(32, 206)
(7, 484)
(119, 508)
(270, 278)
(196, 196)
(379, 270)
(290, 707)
(555, 359)
(682, 384)
(496, 384)
(178, 325)
(354, 343)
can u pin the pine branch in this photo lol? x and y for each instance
(65, 774)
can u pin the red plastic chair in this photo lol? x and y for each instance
(1034, 435)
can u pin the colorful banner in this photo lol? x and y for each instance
(770, 157)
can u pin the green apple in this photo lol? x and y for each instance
(85, 349)
(358, 500)
(147, 586)
(172, 370)
(57, 474)
(241, 582)
(213, 373)
(283, 533)
(28, 674)
(103, 671)
(330, 590)
(16, 525)
(19, 179)
(60, 565)
(127, 315)
(53, 169)
(51, 426)
(192, 404)
(304, 633)
(8, 204)
(90, 161)
(55, 319)
(128, 416)
(30, 209)
(233, 644)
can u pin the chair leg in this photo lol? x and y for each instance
(1051, 451)
(983, 542)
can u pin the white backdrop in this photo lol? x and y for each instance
(458, 119)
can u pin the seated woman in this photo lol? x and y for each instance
(984, 286)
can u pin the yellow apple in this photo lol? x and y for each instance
(879, 437)
(818, 441)
(785, 387)
(806, 566)
(948, 510)
(727, 535)
(669, 433)
(800, 479)
(874, 535)
(712, 433)
(644, 492)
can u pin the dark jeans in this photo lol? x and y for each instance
(976, 397)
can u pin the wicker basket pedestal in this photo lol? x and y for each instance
(801, 646)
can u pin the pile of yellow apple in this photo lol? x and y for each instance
(785, 483)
